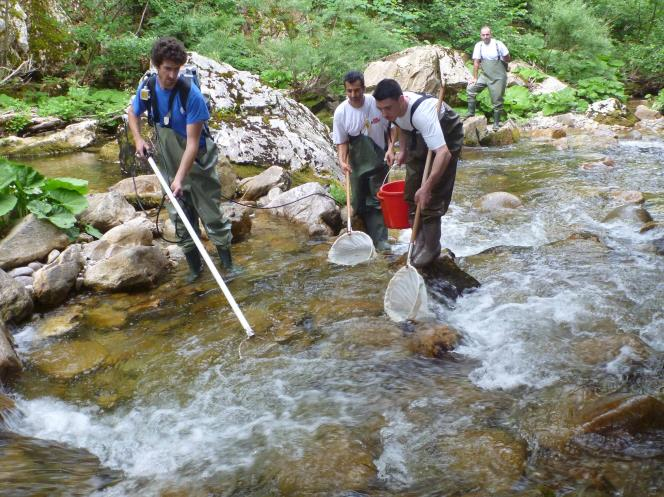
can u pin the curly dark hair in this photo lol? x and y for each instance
(168, 48)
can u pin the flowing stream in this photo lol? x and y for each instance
(329, 399)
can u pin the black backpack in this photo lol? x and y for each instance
(187, 77)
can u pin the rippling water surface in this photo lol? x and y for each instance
(329, 399)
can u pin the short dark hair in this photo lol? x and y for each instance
(168, 48)
(387, 88)
(353, 76)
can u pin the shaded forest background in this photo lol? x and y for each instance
(305, 45)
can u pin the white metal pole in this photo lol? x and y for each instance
(201, 249)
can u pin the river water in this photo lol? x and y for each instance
(330, 400)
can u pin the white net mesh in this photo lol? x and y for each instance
(406, 297)
(351, 248)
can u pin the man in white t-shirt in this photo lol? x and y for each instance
(359, 132)
(492, 56)
(420, 129)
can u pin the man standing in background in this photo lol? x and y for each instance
(492, 56)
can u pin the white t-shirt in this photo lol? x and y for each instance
(367, 120)
(493, 51)
(424, 120)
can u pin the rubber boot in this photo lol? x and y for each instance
(373, 220)
(427, 243)
(471, 108)
(195, 265)
(496, 119)
(225, 258)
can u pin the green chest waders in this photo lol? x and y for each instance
(202, 190)
(369, 169)
(493, 76)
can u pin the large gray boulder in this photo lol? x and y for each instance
(107, 210)
(15, 301)
(255, 124)
(74, 137)
(420, 68)
(128, 269)
(318, 212)
(30, 240)
(644, 113)
(53, 282)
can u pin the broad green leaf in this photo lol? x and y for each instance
(40, 208)
(7, 203)
(73, 201)
(91, 230)
(7, 173)
(27, 178)
(75, 184)
(62, 218)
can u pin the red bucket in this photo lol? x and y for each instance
(395, 208)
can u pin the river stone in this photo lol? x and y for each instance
(604, 348)
(444, 278)
(492, 459)
(333, 460)
(147, 190)
(29, 240)
(36, 266)
(610, 111)
(507, 134)
(106, 316)
(630, 213)
(433, 340)
(25, 281)
(53, 254)
(63, 321)
(10, 364)
(74, 137)
(130, 268)
(259, 185)
(107, 210)
(603, 164)
(318, 212)
(6, 406)
(547, 86)
(497, 201)
(629, 196)
(40, 124)
(659, 246)
(21, 271)
(240, 218)
(133, 233)
(646, 114)
(15, 301)
(255, 124)
(67, 359)
(418, 69)
(474, 130)
(626, 414)
(53, 282)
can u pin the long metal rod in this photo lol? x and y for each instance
(201, 249)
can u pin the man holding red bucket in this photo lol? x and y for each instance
(421, 130)
(359, 132)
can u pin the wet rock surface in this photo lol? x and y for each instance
(15, 301)
(30, 240)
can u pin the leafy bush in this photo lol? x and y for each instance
(277, 78)
(518, 101)
(560, 102)
(24, 190)
(658, 102)
(338, 192)
(594, 89)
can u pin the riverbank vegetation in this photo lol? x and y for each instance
(601, 47)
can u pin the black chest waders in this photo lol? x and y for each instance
(369, 169)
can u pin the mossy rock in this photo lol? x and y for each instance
(109, 152)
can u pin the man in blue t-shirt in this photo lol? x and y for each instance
(187, 154)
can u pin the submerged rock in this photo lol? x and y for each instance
(129, 268)
(497, 201)
(434, 340)
(67, 359)
(240, 218)
(630, 213)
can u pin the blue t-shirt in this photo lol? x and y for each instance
(196, 109)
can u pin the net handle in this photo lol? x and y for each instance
(427, 169)
(348, 201)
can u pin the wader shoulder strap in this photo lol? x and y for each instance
(416, 104)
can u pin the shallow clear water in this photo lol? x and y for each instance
(330, 399)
